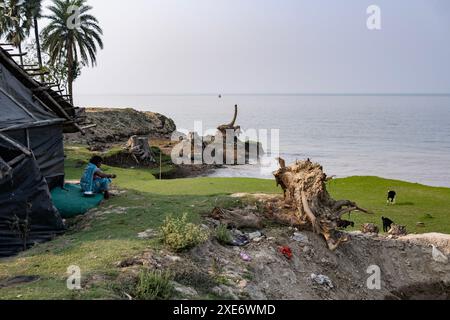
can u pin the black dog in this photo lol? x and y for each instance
(391, 197)
(387, 224)
(344, 224)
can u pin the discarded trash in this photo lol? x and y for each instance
(300, 237)
(245, 257)
(287, 252)
(252, 236)
(240, 241)
(438, 256)
(322, 280)
(257, 240)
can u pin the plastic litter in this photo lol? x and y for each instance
(287, 252)
(254, 235)
(300, 237)
(240, 241)
(322, 280)
(245, 257)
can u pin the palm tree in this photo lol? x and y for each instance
(33, 12)
(13, 24)
(69, 42)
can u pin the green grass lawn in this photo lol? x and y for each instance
(111, 235)
(415, 203)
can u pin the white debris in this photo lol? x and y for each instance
(254, 235)
(300, 237)
(322, 280)
(148, 234)
(438, 256)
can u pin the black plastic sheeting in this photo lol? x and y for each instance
(17, 103)
(48, 148)
(27, 214)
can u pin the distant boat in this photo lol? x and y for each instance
(220, 96)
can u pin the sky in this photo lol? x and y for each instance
(269, 47)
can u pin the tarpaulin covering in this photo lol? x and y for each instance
(27, 214)
(32, 120)
(71, 202)
(18, 107)
(17, 104)
(48, 147)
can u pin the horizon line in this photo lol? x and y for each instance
(263, 94)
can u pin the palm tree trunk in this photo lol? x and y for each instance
(20, 52)
(38, 45)
(70, 84)
(70, 71)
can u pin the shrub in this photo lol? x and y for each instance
(223, 235)
(180, 235)
(154, 285)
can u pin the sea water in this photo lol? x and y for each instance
(392, 136)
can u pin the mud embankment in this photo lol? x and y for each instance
(115, 126)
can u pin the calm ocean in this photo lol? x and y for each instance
(399, 137)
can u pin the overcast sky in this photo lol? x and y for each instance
(269, 46)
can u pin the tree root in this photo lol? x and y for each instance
(304, 186)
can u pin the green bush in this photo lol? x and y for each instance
(223, 235)
(180, 235)
(154, 285)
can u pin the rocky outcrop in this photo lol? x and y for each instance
(118, 125)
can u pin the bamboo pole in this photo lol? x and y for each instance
(160, 164)
(33, 124)
(16, 144)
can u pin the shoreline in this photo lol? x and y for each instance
(117, 124)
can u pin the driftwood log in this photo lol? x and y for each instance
(237, 218)
(140, 150)
(305, 193)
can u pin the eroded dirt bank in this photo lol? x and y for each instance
(272, 276)
(408, 270)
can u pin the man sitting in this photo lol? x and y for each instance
(94, 180)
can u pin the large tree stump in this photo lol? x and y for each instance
(140, 150)
(305, 193)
